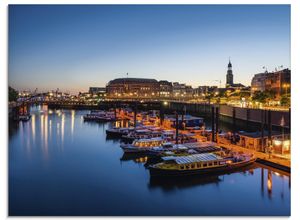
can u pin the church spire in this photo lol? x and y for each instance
(229, 76)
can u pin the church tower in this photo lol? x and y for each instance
(229, 76)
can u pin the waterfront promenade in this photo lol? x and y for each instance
(263, 157)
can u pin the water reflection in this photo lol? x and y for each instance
(72, 122)
(33, 126)
(269, 175)
(173, 183)
(89, 169)
(62, 128)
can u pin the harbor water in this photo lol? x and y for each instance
(61, 165)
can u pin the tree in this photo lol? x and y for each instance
(12, 94)
(285, 100)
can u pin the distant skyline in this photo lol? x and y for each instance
(76, 47)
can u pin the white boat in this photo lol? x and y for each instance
(143, 145)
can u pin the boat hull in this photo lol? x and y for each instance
(114, 134)
(212, 170)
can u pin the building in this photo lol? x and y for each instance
(181, 90)
(165, 89)
(203, 91)
(229, 79)
(278, 82)
(258, 142)
(133, 87)
(229, 75)
(254, 141)
(258, 82)
(97, 90)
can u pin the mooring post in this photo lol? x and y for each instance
(262, 129)
(135, 111)
(161, 114)
(233, 120)
(182, 119)
(176, 115)
(213, 123)
(115, 110)
(217, 123)
(269, 127)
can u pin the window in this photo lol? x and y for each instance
(182, 167)
(204, 164)
(215, 163)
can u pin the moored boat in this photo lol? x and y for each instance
(24, 117)
(198, 164)
(143, 145)
(118, 132)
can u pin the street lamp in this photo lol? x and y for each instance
(286, 86)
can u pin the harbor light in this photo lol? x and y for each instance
(165, 103)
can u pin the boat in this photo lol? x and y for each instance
(24, 117)
(118, 132)
(143, 145)
(100, 116)
(200, 164)
(140, 134)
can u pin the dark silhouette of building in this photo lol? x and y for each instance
(229, 79)
(229, 76)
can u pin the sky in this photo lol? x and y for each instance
(75, 47)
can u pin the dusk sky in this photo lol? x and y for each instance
(75, 47)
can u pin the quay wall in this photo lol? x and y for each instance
(227, 113)
(244, 114)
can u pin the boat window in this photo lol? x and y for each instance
(198, 165)
(182, 167)
(210, 164)
(215, 163)
(187, 166)
(204, 164)
(192, 166)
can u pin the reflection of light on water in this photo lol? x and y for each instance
(269, 182)
(50, 112)
(45, 108)
(42, 127)
(33, 126)
(50, 128)
(62, 127)
(142, 159)
(27, 139)
(72, 121)
(58, 112)
(46, 135)
(57, 129)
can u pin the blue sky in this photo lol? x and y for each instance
(74, 47)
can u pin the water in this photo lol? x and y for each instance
(61, 165)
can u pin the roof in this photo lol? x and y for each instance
(150, 139)
(193, 158)
(237, 85)
(132, 80)
(229, 64)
